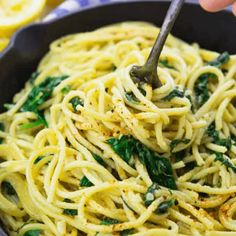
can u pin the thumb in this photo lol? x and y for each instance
(215, 5)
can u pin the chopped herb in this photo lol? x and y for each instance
(113, 67)
(204, 195)
(75, 102)
(99, 160)
(127, 204)
(174, 93)
(32, 125)
(165, 63)
(38, 159)
(225, 161)
(158, 168)
(214, 134)
(176, 142)
(35, 232)
(179, 93)
(8, 106)
(132, 98)
(233, 137)
(220, 60)
(39, 94)
(164, 206)
(70, 212)
(127, 232)
(8, 188)
(226, 142)
(33, 77)
(2, 128)
(149, 196)
(191, 102)
(85, 182)
(109, 221)
(201, 88)
(124, 147)
(180, 155)
(190, 165)
(66, 89)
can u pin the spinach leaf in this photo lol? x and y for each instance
(123, 146)
(191, 102)
(99, 160)
(109, 221)
(180, 155)
(85, 182)
(132, 98)
(165, 63)
(75, 102)
(66, 89)
(179, 93)
(2, 128)
(70, 212)
(149, 196)
(32, 125)
(8, 188)
(34, 232)
(39, 94)
(214, 134)
(201, 88)
(113, 67)
(220, 60)
(226, 142)
(127, 232)
(190, 165)
(225, 161)
(128, 206)
(176, 142)
(38, 159)
(174, 93)
(233, 138)
(33, 77)
(164, 206)
(158, 168)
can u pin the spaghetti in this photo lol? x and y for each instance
(87, 151)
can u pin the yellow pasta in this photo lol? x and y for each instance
(87, 150)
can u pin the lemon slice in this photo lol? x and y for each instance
(16, 13)
(3, 43)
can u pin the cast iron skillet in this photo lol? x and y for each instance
(212, 31)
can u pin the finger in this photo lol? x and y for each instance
(234, 8)
(215, 5)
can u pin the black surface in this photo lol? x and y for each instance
(213, 31)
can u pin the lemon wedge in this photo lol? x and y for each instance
(3, 43)
(16, 13)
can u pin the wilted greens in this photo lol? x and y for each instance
(70, 212)
(39, 94)
(158, 168)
